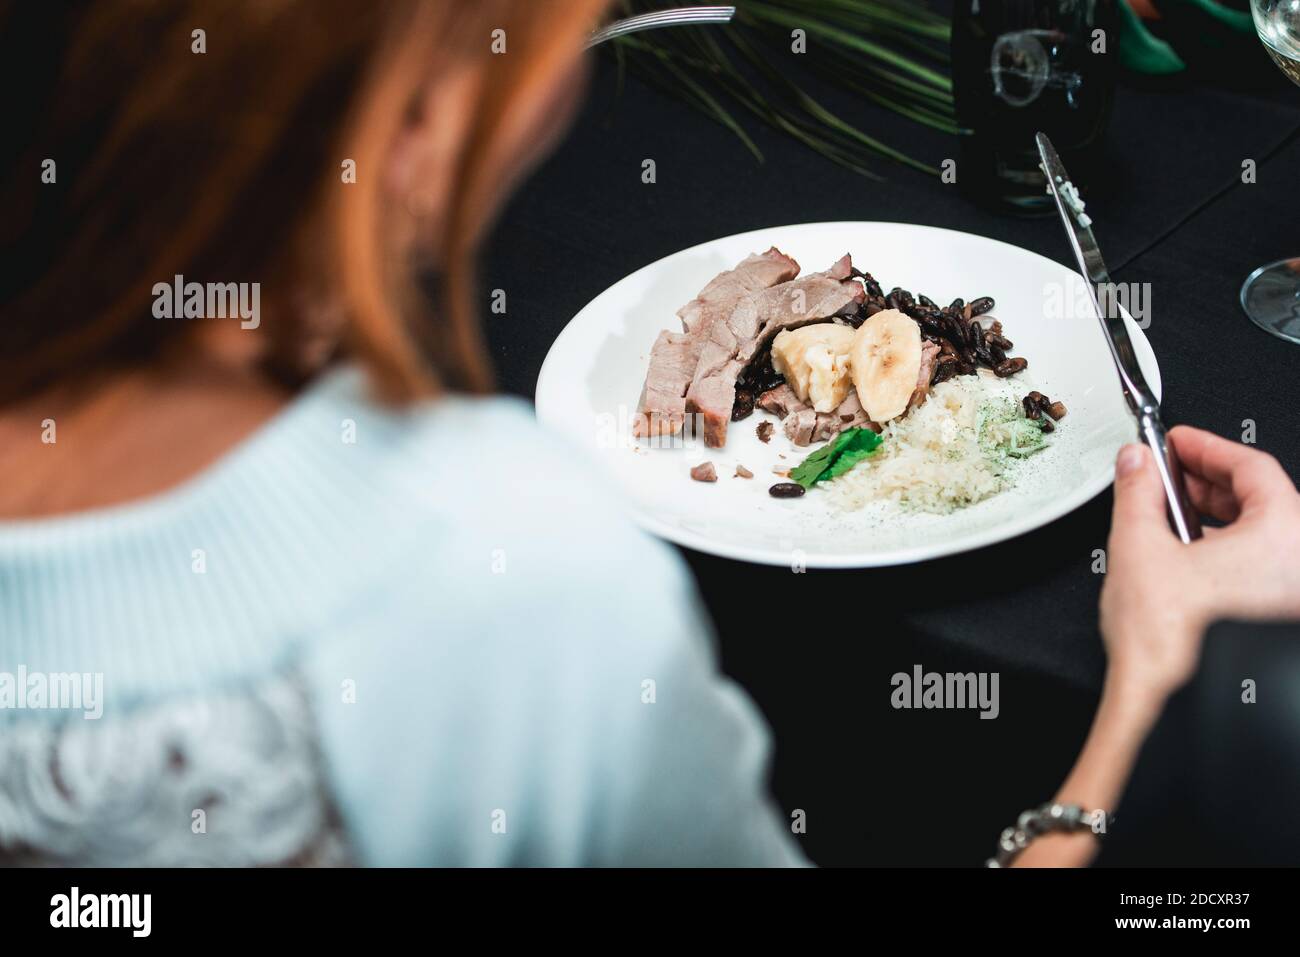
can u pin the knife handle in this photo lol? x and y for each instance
(1182, 517)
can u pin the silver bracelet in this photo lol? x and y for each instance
(1066, 818)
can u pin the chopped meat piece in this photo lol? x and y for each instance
(929, 363)
(849, 414)
(779, 401)
(804, 425)
(742, 472)
(704, 472)
(675, 355)
(800, 425)
(755, 321)
(764, 432)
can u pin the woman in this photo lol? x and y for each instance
(343, 608)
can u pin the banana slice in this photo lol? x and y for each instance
(815, 362)
(885, 363)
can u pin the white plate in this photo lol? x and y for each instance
(592, 377)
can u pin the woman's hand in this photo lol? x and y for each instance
(1160, 595)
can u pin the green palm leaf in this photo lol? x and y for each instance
(893, 53)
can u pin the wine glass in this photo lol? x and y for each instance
(1271, 294)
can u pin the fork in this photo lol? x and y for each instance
(661, 18)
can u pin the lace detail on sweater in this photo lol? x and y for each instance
(224, 779)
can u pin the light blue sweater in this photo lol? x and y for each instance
(497, 666)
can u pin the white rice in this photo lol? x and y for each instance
(957, 448)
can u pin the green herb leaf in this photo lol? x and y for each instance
(836, 457)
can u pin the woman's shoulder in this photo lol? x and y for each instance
(481, 469)
(479, 521)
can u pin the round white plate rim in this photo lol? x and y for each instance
(1085, 493)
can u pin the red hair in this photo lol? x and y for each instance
(227, 165)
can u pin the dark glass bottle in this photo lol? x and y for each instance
(1021, 66)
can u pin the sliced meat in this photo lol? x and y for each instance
(662, 409)
(929, 363)
(675, 355)
(735, 341)
(754, 273)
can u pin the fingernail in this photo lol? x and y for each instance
(1129, 461)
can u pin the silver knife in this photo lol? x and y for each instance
(1141, 400)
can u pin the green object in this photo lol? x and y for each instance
(1198, 28)
(1143, 52)
(1238, 20)
(836, 457)
(1026, 438)
(1003, 431)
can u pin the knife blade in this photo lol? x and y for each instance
(1102, 292)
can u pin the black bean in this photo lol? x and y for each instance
(786, 490)
(1011, 366)
(1032, 411)
(957, 304)
(953, 328)
(944, 372)
(868, 281)
(759, 376)
(743, 407)
(1056, 410)
(999, 355)
(981, 305)
(899, 299)
(927, 301)
(997, 339)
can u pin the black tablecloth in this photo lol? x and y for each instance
(1172, 211)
